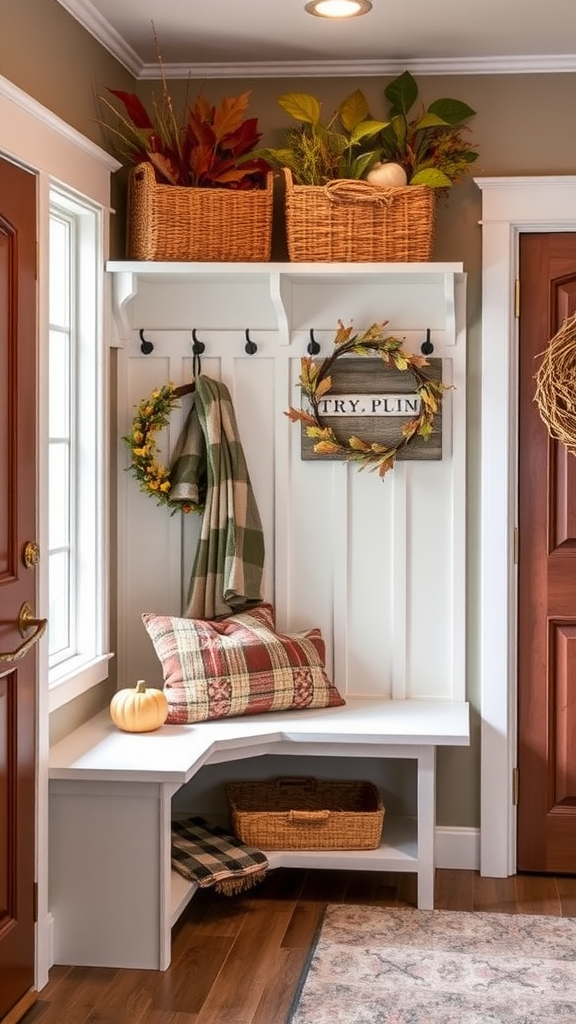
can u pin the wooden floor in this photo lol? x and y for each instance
(238, 960)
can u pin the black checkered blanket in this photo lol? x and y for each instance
(209, 855)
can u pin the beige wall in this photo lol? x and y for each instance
(524, 126)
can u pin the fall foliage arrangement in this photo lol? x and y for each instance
(208, 146)
(426, 146)
(316, 382)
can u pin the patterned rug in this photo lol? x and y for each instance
(377, 965)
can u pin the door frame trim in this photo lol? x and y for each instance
(509, 207)
(34, 137)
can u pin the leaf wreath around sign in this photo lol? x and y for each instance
(556, 385)
(316, 382)
(152, 415)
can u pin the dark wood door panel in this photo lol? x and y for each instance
(17, 583)
(546, 576)
(563, 740)
(6, 360)
(564, 297)
(563, 511)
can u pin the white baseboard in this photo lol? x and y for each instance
(457, 847)
(50, 939)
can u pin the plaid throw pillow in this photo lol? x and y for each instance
(238, 666)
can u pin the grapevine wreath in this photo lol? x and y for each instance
(555, 385)
(152, 415)
(316, 382)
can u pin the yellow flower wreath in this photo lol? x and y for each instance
(152, 415)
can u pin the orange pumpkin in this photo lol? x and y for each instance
(141, 709)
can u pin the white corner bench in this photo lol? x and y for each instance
(113, 894)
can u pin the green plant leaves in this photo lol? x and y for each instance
(301, 106)
(429, 120)
(367, 128)
(431, 176)
(362, 164)
(430, 146)
(451, 111)
(402, 93)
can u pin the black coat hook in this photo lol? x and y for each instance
(313, 347)
(146, 347)
(197, 345)
(427, 347)
(250, 347)
(197, 350)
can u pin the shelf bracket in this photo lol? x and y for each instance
(124, 288)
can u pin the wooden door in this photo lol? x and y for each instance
(17, 585)
(546, 577)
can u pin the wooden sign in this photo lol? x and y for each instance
(372, 401)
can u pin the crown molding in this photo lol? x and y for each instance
(557, 63)
(21, 99)
(94, 22)
(100, 28)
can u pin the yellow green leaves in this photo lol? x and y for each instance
(301, 106)
(345, 145)
(431, 176)
(353, 110)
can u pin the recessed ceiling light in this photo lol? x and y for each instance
(338, 8)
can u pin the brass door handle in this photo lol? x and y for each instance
(26, 621)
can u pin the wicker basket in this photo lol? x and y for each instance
(306, 814)
(355, 222)
(173, 222)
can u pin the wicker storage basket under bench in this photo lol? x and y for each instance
(354, 222)
(175, 222)
(306, 814)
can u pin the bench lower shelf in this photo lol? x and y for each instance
(398, 851)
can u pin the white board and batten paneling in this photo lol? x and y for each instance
(379, 565)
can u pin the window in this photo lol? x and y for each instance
(76, 464)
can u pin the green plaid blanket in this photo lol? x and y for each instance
(209, 855)
(209, 467)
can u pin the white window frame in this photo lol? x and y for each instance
(86, 662)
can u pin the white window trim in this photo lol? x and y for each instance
(76, 674)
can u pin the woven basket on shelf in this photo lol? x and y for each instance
(353, 221)
(306, 814)
(174, 222)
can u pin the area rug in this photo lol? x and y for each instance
(378, 965)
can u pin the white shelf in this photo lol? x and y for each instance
(212, 295)
(398, 851)
(177, 271)
(181, 892)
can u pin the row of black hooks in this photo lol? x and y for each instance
(198, 347)
(313, 347)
